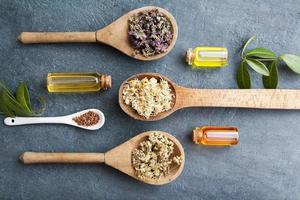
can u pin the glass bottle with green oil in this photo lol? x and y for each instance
(207, 56)
(216, 135)
(77, 82)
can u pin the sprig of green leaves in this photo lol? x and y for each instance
(264, 62)
(11, 106)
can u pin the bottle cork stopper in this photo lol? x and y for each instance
(197, 135)
(105, 81)
(189, 56)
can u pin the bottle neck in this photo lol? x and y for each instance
(105, 81)
(197, 135)
(190, 56)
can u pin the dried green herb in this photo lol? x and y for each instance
(150, 32)
(20, 105)
(264, 62)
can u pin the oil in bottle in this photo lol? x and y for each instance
(207, 56)
(216, 135)
(77, 82)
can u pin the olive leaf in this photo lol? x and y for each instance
(270, 82)
(5, 110)
(256, 58)
(22, 96)
(258, 66)
(292, 61)
(261, 53)
(14, 106)
(11, 106)
(246, 45)
(243, 78)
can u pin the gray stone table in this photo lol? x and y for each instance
(265, 164)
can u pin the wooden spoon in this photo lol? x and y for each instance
(115, 35)
(235, 98)
(118, 158)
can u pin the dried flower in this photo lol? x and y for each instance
(153, 157)
(150, 32)
(148, 96)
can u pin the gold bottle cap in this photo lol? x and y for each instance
(197, 135)
(105, 81)
(189, 56)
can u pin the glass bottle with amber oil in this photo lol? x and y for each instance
(77, 82)
(216, 135)
(207, 56)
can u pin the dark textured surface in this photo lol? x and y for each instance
(265, 164)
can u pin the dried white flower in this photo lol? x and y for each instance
(148, 96)
(152, 158)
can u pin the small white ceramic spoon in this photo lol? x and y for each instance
(68, 119)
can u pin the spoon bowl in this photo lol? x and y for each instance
(115, 35)
(119, 158)
(234, 98)
(68, 119)
(131, 112)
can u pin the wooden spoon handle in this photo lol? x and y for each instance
(56, 37)
(35, 157)
(240, 98)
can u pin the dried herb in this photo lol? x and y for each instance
(154, 157)
(264, 62)
(87, 119)
(150, 32)
(20, 105)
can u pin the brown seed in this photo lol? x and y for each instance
(87, 119)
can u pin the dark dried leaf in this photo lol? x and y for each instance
(150, 32)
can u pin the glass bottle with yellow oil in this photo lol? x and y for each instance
(207, 56)
(77, 82)
(216, 135)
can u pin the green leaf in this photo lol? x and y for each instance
(15, 106)
(292, 61)
(22, 96)
(4, 110)
(258, 66)
(3, 89)
(261, 53)
(246, 44)
(243, 78)
(271, 82)
(11, 106)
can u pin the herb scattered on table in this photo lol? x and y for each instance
(150, 32)
(19, 105)
(264, 62)
(154, 157)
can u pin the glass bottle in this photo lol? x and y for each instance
(216, 135)
(77, 82)
(207, 56)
